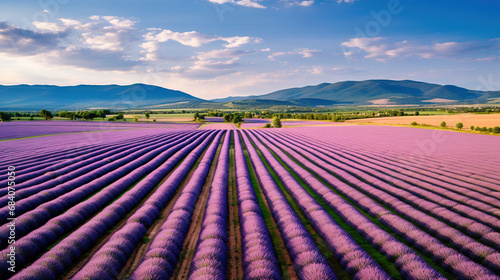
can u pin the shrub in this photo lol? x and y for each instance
(276, 122)
(460, 125)
(46, 114)
(147, 115)
(414, 123)
(119, 116)
(417, 113)
(484, 129)
(267, 125)
(496, 129)
(443, 124)
(135, 119)
(477, 128)
(489, 129)
(471, 127)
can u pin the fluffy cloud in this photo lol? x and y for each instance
(24, 42)
(191, 38)
(245, 3)
(304, 52)
(299, 3)
(379, 49)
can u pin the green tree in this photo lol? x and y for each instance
(227, 117)
(196, 116)
(276, 122)
(471, 127)
(4, 116)
(267, 125)
(417, 113)
(47, 115)
(147, 115)
(237, 118)
(443, 124)
(101, 114)
(414, 123)
(119, 116)
(62, 114)
(496, 129)
(135, 119)
(460, 125)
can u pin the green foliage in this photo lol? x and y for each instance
(47, 115)
(471, 127)
(267, 125)
(147, 115)
(4, 116)
(227, 117)
(119, 116)
(460, 125)
(477, 128)
(496, 129)
(443, 124)
(414, 123)
(135, 118)
(417, 113)
(277, 122)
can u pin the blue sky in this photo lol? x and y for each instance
(217, 48)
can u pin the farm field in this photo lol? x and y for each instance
(151, 201)
(21, 129)
(488, 120)
(162, 117)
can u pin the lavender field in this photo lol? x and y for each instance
(177, 202)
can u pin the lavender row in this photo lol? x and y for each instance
(418, 147)
(259, 258)
(110, 259)
(82, 172)
(438, 228)
(77, 160)
(450, 216)
(35, 241)
(421, 238)
(210, 257)
(457, 193)
(163, 254)
(61, 151)
(350, 258)
(63, 255)
(423, 149)
(307, 259)
(339, 241)
(60, 198)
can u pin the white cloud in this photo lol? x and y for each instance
(304, 52)
(191, 38)
(379, 49)
(245, 3)
(345, 1)
(49, 26)
(305, 3)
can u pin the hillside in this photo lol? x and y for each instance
(34, 97)
(378, 92)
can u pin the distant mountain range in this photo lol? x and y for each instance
(373, 92)
(136, 96)
(141, 96)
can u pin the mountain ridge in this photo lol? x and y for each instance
(381, 92)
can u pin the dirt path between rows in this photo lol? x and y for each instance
(140, 251)
(189, 247)
(235, 265)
